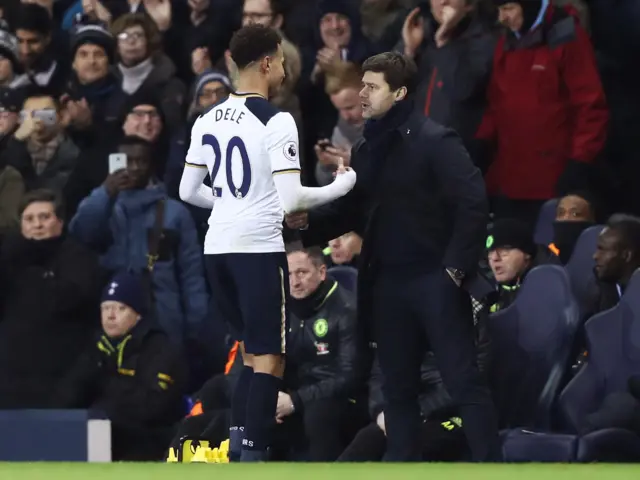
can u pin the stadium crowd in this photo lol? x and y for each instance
(104, 301)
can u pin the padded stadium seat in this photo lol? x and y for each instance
(613, 340)
(531, 344)
(347, 277)
(543, 233)
(580, 267)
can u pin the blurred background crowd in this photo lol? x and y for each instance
(104, 302)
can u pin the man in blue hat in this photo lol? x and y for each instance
(132, 373)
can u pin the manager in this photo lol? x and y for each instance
(420, 205)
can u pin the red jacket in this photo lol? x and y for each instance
(546, 107)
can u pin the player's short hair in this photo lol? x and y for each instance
(47, 196)
(628, 229)
(348, 75)
(314, 253)
(398, 70)
(252, 43)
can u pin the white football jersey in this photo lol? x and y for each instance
(243, 141)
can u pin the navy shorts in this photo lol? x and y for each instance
(251, 291)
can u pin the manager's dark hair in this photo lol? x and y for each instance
(47, 196)
(628, 229)
(398, 70)
(252, 43)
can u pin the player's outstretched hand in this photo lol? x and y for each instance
(346, 178)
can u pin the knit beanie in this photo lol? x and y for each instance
(125, 288)
(511, 233)
(210, 75)
(95, 34)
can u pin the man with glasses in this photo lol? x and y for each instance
(40, 149)
(144, 119)
(511, 253)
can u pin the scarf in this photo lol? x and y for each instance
(42, 153)
(378, 132)
(134, 77)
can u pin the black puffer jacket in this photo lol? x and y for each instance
(49, 297)
(322, 350)
(138, 382)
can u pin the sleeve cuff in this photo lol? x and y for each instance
(298, 405)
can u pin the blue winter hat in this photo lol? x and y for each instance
(125, 288)
(211, 76)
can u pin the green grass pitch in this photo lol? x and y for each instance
(326, 471)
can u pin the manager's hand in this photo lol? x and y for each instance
(296, 221)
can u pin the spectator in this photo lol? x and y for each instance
(10, 105)
(131, 219)
(382, 21)
(143, 119)
(271, 13)
(132, 373)
(343, 88)
(338, 39)
(547, 116)
(453, 46)
(40, 149)
(575, 213)
(92, 86)
(512, 254)
(34, 30)
(322, 363)
(9, 62)
(206, 36)
(50, 288)
(142, 65)
(617, 257)
(11, 184)
(210, 87)
(344, 250)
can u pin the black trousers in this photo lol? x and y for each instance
(409, 311)
(320, 432)
(439, 441)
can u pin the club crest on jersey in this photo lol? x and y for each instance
(291, 151)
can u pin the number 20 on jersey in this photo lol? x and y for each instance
(235, 142)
